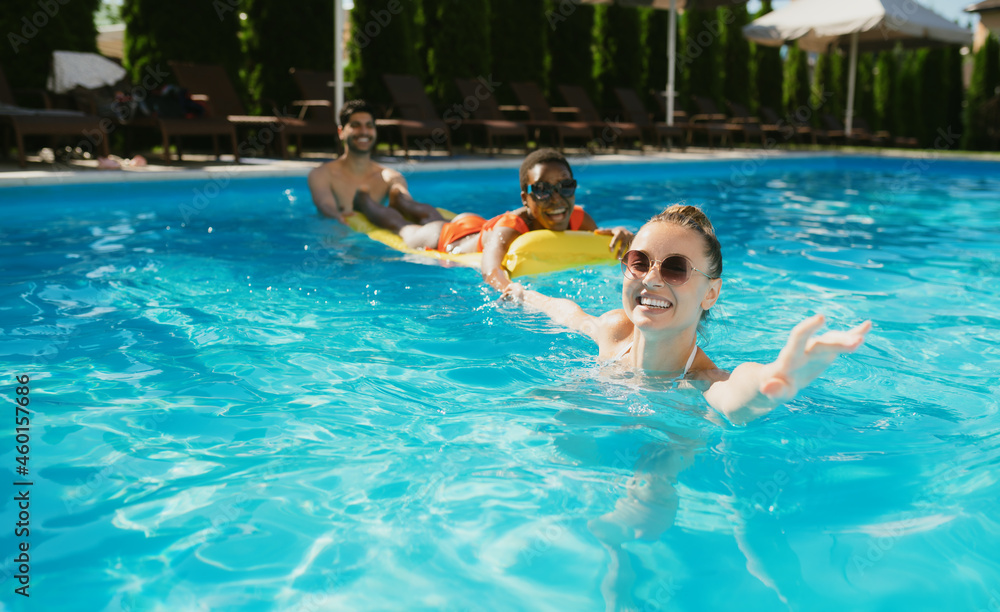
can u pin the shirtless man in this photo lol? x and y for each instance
(354, 177)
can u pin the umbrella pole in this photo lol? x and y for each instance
(851, 78)
(338, 56)
(671, 60)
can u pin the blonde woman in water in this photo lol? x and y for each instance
(673, 276)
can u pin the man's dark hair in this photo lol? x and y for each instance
(541, 156)
(354, 106)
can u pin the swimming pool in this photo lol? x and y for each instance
(240, 406)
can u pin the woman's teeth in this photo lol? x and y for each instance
(653, 302)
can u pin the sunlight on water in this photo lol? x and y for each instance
(279, 414)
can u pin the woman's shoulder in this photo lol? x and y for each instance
(614, 333)
(705, 369)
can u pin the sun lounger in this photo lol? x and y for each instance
(835, 130)
(486, 114)
(417, 116)
(635, 111)
(542, 116)
(752, 127)
(713, 123)
(85, 129)
(790, 128)
(317, 106)
(608, 131)
(211, 84)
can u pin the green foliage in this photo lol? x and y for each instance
(796, 82)
(864, 90)
(571, 30)
(458, 45)
(700, 55)
(984, 84)
(518, 35)
(885, 75)
(182, 30)
(382, 42)
(737, 83)
(33, 30)
(768, 75)
(829, 91)
(908, 105)
(617, 55)
(654, 25)
(278, 38)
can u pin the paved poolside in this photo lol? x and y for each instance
(195, 167)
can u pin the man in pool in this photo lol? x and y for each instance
(548, 195)
(338, 185)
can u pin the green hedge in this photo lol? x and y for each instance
(279, 36)
(618, 57)
(571, 44)
(383, 41)
(519, 33)
(458, 39)
(767, 71)
(183, 30)
(985, 80)
(33, 29)
(736, 59)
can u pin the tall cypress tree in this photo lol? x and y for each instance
(31, 33)
(617, 56)
(459, 46)
(654, 24)
(885, 74)
(182, 30)
(272, 51)
(864, 90)
(956, 91)
(382, 42)
(796, 81)
(908, 107)
(518, 36)
(570, 40)
(985, 80)
(768, 76)
(736, 85)
(700, 55)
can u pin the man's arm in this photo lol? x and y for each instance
(322, 194)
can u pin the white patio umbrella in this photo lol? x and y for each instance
(819, 25)
(338, 55)
(673, 6)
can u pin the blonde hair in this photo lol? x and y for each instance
(694, 219)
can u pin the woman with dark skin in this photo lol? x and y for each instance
(548, 195)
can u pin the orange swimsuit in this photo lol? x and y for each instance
(450, 232)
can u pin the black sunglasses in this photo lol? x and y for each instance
(543, 191)
(674, 269)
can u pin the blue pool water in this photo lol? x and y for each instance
(238, 405)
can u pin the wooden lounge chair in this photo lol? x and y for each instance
(486, 114)
(210, 83)
(83, 128)
(417, 116)
(636, 112)
(608, 132)
(835, 130)
(317, 106)
(543, 116)
(752, 127)
(789, 128)
(713, 123)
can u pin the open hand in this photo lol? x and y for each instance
(621, 239)
(805, 357)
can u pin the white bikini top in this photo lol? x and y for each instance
(687, 366)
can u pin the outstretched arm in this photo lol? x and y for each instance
(562, 311)
(753, 389)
